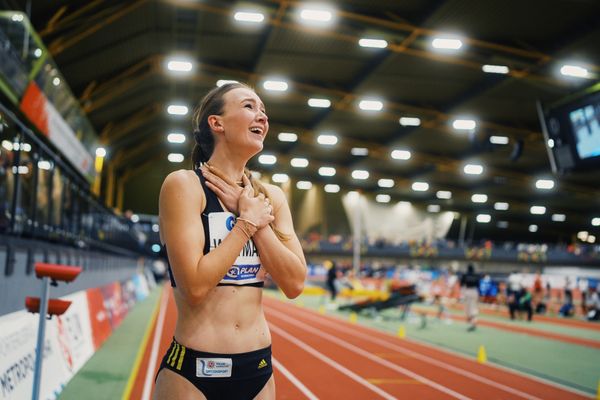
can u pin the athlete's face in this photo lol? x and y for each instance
(244, 121)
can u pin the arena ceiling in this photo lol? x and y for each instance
(113, 56)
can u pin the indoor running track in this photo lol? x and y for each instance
(322, 357)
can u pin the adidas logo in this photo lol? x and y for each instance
(262, 364)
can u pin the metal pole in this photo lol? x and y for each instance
(356, 246)
(39, 350)
(461, 234)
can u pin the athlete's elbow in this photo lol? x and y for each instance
(294, 290)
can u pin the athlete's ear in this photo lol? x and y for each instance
(216, 123)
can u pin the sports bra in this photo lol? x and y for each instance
(217, 223)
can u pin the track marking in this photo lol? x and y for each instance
(422, 357)
(339, 341)
(141, 350)
(331, 362)
(155, 344)
(310, 395)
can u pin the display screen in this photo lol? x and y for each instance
(586, 129)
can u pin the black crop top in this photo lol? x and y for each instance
(247, 270)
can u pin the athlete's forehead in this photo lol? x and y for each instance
(240, 95)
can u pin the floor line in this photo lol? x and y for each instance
(331, 362)
(310, 395)
(341, 342)
(155, 344)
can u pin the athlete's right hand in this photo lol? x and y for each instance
(257, 209)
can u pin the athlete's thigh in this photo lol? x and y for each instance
(170, 386)
(267, 392)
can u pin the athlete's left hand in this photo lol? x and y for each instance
(226, 189)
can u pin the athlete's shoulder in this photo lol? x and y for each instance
(183, 182)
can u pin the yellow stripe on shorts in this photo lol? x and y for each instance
(171, 354)
(175, 356)
(181, 358)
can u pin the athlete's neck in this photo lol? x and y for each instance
(229, 167)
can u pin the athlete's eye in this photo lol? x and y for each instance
(248, 106)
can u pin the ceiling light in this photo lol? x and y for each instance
(299, 162)
(37, 52)
(287, 137)
(249, 16)
(304, 185)
(383, 198)
(175, 157)
(370, 105)
(176, 138)
(596, 221)
(559, 217)
(360, 174)
(446, 43)
(544, 184)
(267, 159)
(495, 69)
(464, 124)
(409, 121)
(359, 151)
(400, 154)
(582, 235)
(433, 208)
(327, 171)
(473, 169)
(222, 82)
(537, 210)
(479, 198)
(319, 103)
(332, 188)
(591, 239)
(276, 86)
(45, 165)
(280, 178)
(327, 140)
(499, 139)
(533, 228)
(574, 71)
(374, 43)
(314, 15)
(420, 186)
(385, 183)
(100, 152)
(501, 206)
(179, 65)
(17, 17)
(551, 143)
(56, 81)
(177, 109)
(484, 218)
(443, 194)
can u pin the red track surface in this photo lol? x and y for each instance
(332, 359)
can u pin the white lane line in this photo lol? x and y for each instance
(155, 344)
(327, 360)
(390, 345)
(310, 395)
(340, 342)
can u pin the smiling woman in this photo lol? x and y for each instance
(222, 239)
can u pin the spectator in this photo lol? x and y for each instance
(470, 282)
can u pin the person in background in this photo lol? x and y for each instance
(470, 283)
(332, 272)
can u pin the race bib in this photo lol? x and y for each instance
(246, 267)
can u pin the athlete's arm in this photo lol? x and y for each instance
(180, 205)
(283, 260)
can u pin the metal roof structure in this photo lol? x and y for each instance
(113, 54)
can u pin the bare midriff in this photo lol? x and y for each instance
(229, 320)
